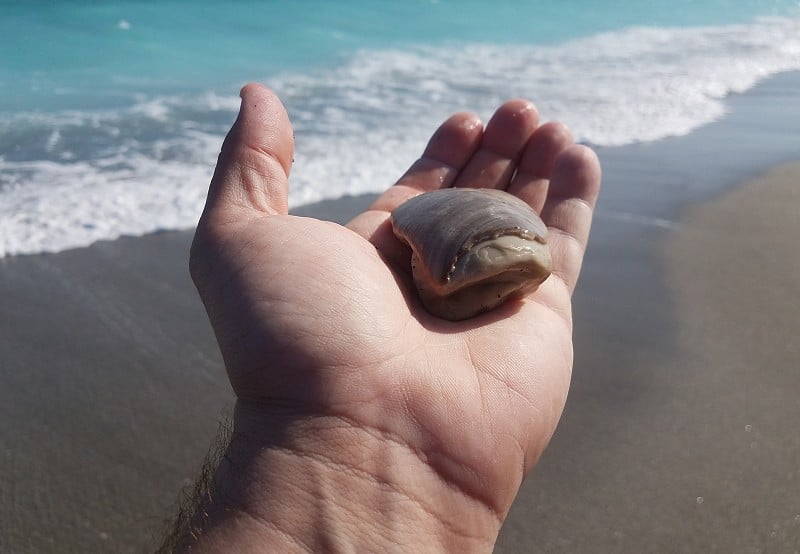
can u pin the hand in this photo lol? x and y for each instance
(338, 369)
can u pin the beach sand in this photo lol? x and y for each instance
(681, 432)
(688, 442)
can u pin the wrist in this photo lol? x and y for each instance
(323, 483)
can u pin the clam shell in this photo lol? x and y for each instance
(472, 249)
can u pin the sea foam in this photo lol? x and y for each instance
(70, 178)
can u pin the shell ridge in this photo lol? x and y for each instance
(490, 235)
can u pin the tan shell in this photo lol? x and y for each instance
(473, 249)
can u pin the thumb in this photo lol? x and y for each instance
(253, 167)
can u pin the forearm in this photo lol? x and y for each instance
(323, 484)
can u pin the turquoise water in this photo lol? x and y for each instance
(82, 54)
(111, 114)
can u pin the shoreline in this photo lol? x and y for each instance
(773, 98)
(113, 386)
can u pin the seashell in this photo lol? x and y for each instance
(472, 249)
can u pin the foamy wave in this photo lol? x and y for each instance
(634, 85)
(70, 178)
(64, 205)
(640, 84)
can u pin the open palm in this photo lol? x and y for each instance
(322, 320)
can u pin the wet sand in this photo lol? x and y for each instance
(681, 433)
(688, 442)
(111, 391)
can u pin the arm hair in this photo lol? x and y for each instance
(184, 529)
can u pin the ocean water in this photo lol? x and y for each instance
(112, 113)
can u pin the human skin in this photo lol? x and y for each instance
(362, 422)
